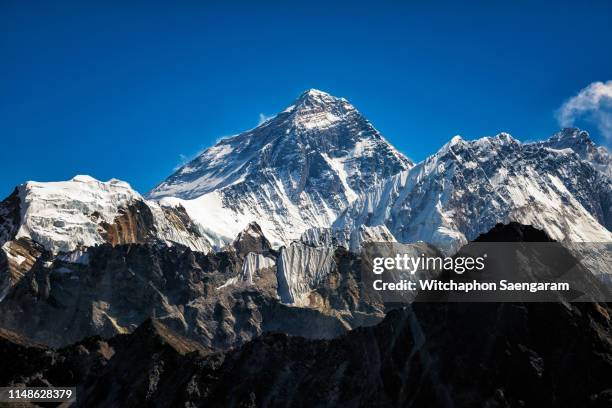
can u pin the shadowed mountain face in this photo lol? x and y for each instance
(439, 355)
(513, 232)
(219, 299)
(435, 355)
(123, 286)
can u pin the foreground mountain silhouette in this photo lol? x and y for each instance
(435, 355)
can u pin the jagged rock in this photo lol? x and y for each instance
(435, 355)
(580, 143)
(65, 218)
(301, 268)
(61, 301)
(251, 239)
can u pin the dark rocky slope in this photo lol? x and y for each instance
(425, 355)
(463, 355)
(60, 301)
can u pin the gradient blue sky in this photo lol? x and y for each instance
(130, 89)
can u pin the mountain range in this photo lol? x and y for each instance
(246, 263)
(321, 164)
(259, 228)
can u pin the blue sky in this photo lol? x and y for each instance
(127, 90)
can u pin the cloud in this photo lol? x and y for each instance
(263, 118)
(593, 104)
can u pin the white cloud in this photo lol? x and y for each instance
(263, 117)
(593, 104)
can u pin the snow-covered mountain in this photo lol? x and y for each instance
(298, 170)
(84, 212)
(44, 221)
(467, 187)
(580, 142)
(313, 179)
(321, 174)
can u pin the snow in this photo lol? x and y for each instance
(83, 178)
(338, 166)
(365, 234)
(18, 259)
(320, 120)
(208, 210)
(459, 193)
(299, 170)
(301, 268)
(65, 217)
(218, 152)
(60, 215)
(253, 264)
(230, 282)
(75, 257)
(323, 236)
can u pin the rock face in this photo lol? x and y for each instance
(467, 187)
(301, 268)
(251, 239)
(580, 143)
(435, 355)
(408, 361)
(316, 177)
(297, 170)
(220, 299)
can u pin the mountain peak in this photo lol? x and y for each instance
(571, 134)
(580, 142)
(295, 171)
(315, 96)
(313, 93)
(317, 100)
(316, 110)
(455, 140)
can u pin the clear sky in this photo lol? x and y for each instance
(130, 90)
